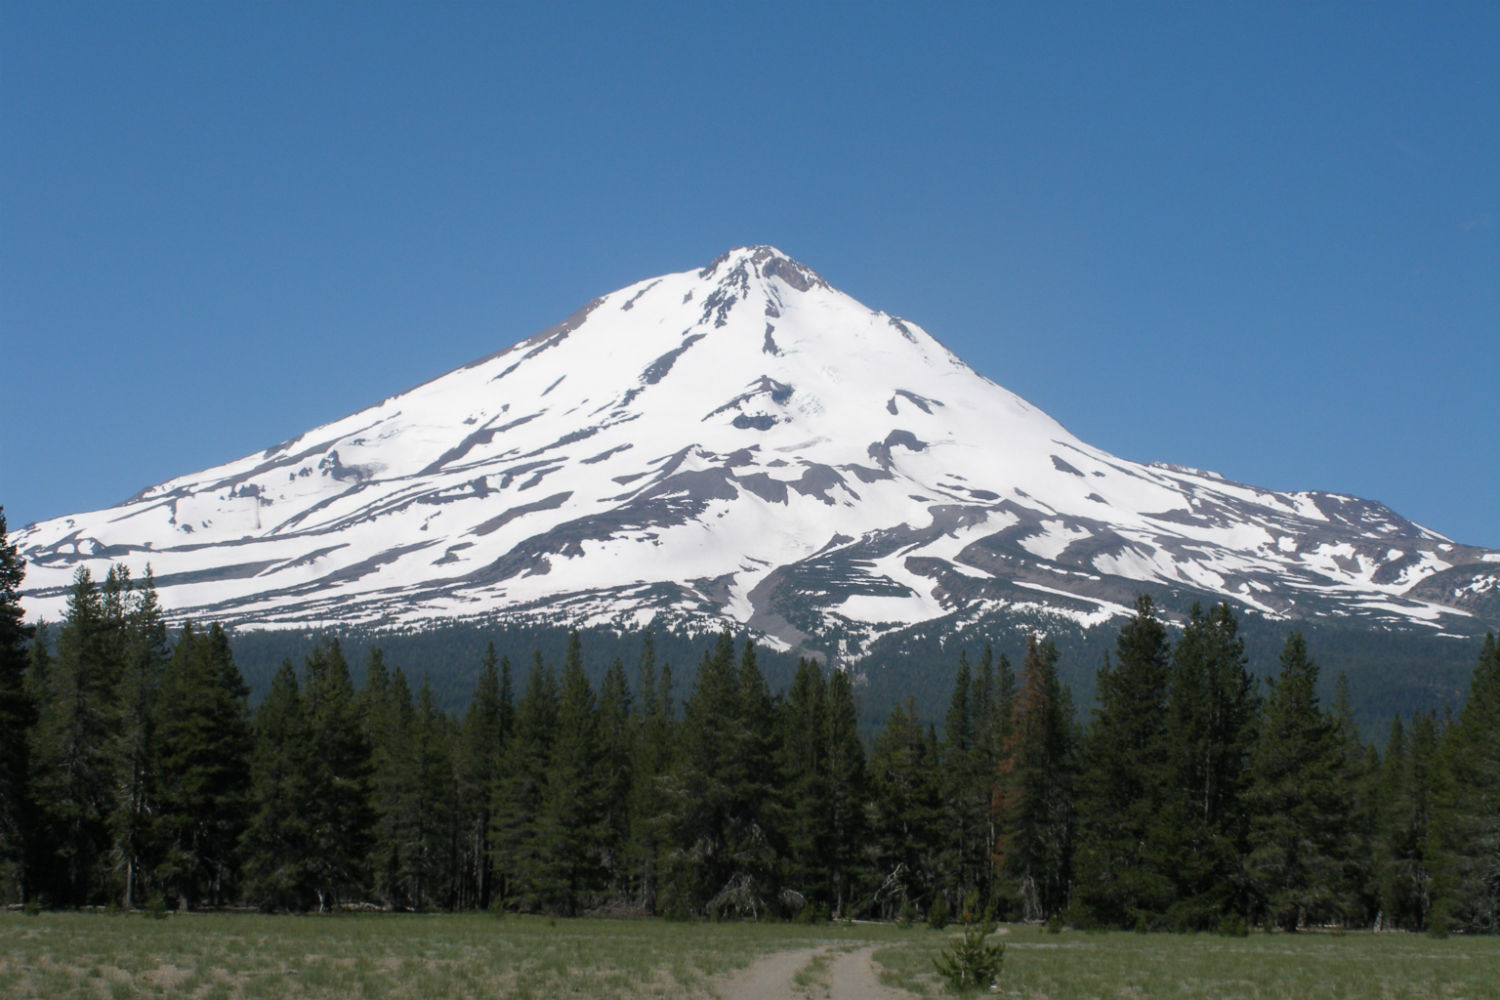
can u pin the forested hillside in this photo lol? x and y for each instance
(1193, 796)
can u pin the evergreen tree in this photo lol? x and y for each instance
(847, 792)
(1122, 874)
(907, 812)
(1465, 835)
(1295, 800)
(651, 763)
(203, 777)
(965, 785)
(1034, 788)
(1356, 783)
(616, 728)
(476, 765)
(17, 717)
(507, 700)
(141, 644)
(1212, 711)
(802, 786)
(1405, 814)
(37, 867)
(278, 843)
(338, 813)
(393, 781)
(722, 861)
(374, 701)
(71, 777)
(513, 831)
(570, 828)
(428, 872)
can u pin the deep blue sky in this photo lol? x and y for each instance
(1255, 238)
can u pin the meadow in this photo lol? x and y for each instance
(242, 955)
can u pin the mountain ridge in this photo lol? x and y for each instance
(740, 442)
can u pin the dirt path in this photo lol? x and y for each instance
(768, 978)
(853, 977)
(846, 976)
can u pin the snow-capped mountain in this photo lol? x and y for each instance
(740, 442)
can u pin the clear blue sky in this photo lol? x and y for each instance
(1257, 238)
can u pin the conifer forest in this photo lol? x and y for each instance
(134, 772)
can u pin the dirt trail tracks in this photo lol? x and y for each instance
(830, 975)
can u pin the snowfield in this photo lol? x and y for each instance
(740, 442)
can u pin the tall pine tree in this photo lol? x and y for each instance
(1465, 835)
(17, 716)
(908, 818)
(278, 843)
(802, 786)
(1212, 713)
(721, 861)
(847, 792)
(520, 787)
(71, 774)
(651, 765)
(1295, 800)
(141, 643)
(1405, 806)
(203, 753)
(1033, 804)
(570, 827)
(476, 764)
(338, 813)
(1121, 867)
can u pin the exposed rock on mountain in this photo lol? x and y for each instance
(740, 442)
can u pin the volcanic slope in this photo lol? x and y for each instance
(741, 442)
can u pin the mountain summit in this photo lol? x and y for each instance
(741, 442)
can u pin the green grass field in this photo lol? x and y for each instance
(208, 956)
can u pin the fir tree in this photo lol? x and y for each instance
(513, 830)
(204, 747)
(338, 813)
(847, 791)
(1356, 783)
(1295, 800)
(616, 733)
(141, 643)
(71, 777)
(428, 871)
(278, 843)
(907, 811)
(651, 762)
(393, 781)
(570, 829)
(17, 716)
(1405, 813)
(1212, 711)
(374, 700)
(966, 784)
(476, 764)
(721, 861)
(1033, 796)
(1122, 874)
(1465, 835)
(802, 786)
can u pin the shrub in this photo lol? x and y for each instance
(937, 914)
(1440, 922)
(1233, 925)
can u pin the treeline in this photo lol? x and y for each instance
(133, 770)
